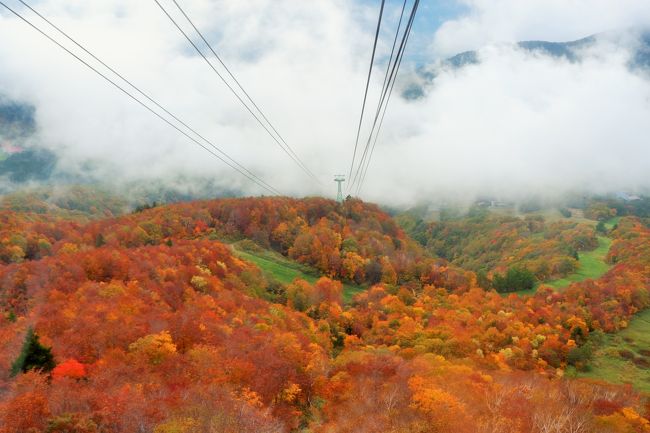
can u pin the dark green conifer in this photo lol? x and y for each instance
(33, 356)
(100, 241)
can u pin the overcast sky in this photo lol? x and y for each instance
(514, 124)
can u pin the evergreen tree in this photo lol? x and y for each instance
(100, 241)
(11, 316)
(33, 356)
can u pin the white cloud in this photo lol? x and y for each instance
(519, 123)
(514, 123)
(302, 62)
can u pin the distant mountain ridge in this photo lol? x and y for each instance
(570, 51)
(16, 119)
(19, 164)
(566, 50)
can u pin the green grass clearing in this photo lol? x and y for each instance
(612, 222)
(286, 271)
(633, 367)
(592, 265)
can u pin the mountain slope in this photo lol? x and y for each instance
(156, 326)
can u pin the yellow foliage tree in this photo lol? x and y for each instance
(155, 347)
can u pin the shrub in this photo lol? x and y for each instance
(580, 357)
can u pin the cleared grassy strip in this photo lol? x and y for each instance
(285, 270)
(592, 265)
(624, 357)
(612, 222)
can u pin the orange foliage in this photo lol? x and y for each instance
(159, 328)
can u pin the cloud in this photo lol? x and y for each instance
(304, 63)
(519, 123)
(514, 124)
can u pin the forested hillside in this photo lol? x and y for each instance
(149, 322)
(492, 244)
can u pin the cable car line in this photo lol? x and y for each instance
(149, 98)
(198, 50)
(205, 41)
(387, 83)
(365, 95)
(387, 93)
(126, 92)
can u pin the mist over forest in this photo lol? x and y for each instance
(324, 216)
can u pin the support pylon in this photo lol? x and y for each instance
(339, 178)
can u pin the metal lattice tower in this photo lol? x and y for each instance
(339, 178)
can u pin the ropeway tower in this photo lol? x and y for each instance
(339, 178)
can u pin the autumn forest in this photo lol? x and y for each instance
(154, 320)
